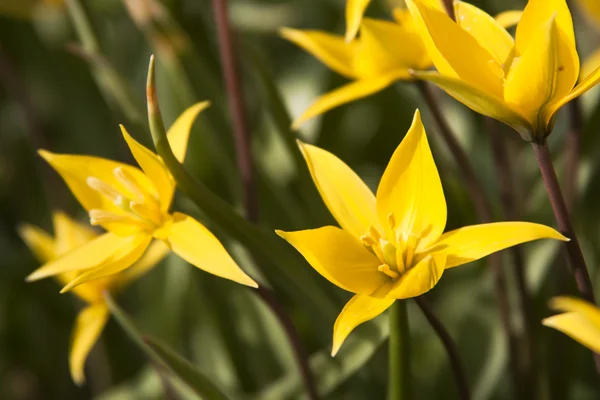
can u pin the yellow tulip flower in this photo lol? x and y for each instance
(580, 321)
(70, 235)
(522, 82)
(132, 204)
(392, 246)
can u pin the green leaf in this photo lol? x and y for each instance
(161, 354)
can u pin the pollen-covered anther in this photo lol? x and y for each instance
(388, 271)
(103, 188)
(98, 217)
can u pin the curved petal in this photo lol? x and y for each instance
(88, 328)
(474, 242)
(76, 169)
(350, 92)
(179, 133)
(537, 13)
(330, 49)
(507, 19)
(340, 258)
(131, 250)
(570, 304)
(355, 9)
(359, 309)
(39, 242)
(454, 52)
(153, 255)
(419, 279)
(411, 189)
(591, 64)
(581, 321)
(87, 256)
(533, 78)
(70, 233)
(488, 32)
(154, 169)
(347, 197)
(591, 9)
(191, 241)
(479, 101)
(586, 84)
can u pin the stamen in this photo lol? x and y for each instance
(388, 271)
(400, 259)
(98, 217)
(106, 190)
(389, 252)
(411, 243)
(128, 181)
(143, 212)
(373, 233)
(368, 240)
(392, 221)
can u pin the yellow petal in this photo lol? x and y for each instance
(154, 169)
(533, 77)
(191, 241)
(83, 257)
(39, 242)
(454, 52)
(510, 18)
(350, 92)
(536, 15)
(478, 101)
(331, 50)
(377, 50)
(70, 233)
(586, 84)
(581, 321)
(592, 62)
(179, 132)
(349, 200)
(411, 190)
(488, 32)
(76, 169)
(359, 309)
(474, 242)
(355, 10)
(88, 328)
(591, 9)
(340, 258)
(419, 279)
(153, 255)
(131, 250)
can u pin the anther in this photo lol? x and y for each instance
(143, 212)
(373, 233)
(411, 243)
(391, 221)
(128, 181)
(368, 240)
(98, 217)
(106, 190)
(388, 271)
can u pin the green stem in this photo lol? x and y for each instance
(399, 381)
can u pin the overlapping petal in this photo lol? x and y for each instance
(586, 84)
(509, 18)
(350, 92)
(70, 233)
(355, 10)
(194, 243)
(156, 251)
(359, 309)
(471, 243)
(331, 50)
(340, 258)
(411, 189)
(179, 133)
(419, 279)
(88, 327)
(581, 321)
(349, 200)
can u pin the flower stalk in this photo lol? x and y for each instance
(399, 379)
(456, 364)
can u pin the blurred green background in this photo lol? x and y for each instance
(66, 86)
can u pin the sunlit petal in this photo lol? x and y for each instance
(131, 250)
(586, 84)
(179, 132)
(88, 328)
(87, 256)
(359, 309)
(471, 243)
(153, 255)
(39, 242)
(349, 200)
(154, 168)
(478, 101)
(411, 190)
(578, 327)
(70, 233)
(339, 257)
(191, 241)
(350, 92)
(591, 64)
(419, 279)
(454, 52)
(355, 10)
(507, 19)
(489, 33)
(330, 49)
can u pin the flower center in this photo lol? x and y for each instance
(396, 256)
(137, 206)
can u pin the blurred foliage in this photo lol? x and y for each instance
(66, 84)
